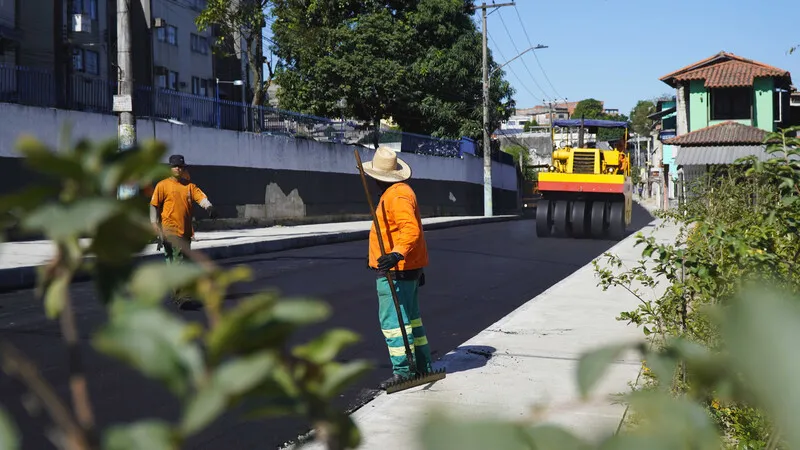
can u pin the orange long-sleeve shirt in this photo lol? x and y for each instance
(401, 228)
(175, 198)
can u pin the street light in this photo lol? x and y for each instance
(487, 152)
(219, 109)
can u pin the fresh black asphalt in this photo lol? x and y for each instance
(477, 275)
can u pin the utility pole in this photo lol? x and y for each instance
(487, 152)
(123, 101)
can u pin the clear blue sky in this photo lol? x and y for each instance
(616, 50)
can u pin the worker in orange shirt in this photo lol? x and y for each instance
(404, 240)
(171, 215)
(147, 191)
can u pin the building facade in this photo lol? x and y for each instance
(724, 107)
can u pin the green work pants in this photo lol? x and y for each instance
(407, 295)
(174, 255)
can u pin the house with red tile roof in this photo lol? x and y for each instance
(725, 106)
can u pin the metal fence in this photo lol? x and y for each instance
(37, 87)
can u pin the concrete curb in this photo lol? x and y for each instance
(24, 277)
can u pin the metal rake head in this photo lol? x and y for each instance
(416, 380)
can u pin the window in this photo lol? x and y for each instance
(172, 35)
(161, 35)
(77, 59)
(731, 103)
(172, 82)
(161, 81)
(199, 44)
(91, 60)
(85, 7)
(199, 86)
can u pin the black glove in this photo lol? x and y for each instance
(421, 280)
(212, 212)
(386, 262)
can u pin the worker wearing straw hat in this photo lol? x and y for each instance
(406, 256)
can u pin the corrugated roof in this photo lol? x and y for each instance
(720, 154)
(724, 154)
(726, 133)
(725, 70)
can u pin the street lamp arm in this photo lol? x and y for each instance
(537, 47)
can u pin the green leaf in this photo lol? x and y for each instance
(203, 409)
(762, 330)
(41, 158)
(121, 237)
(340, 376)
(59, 222)
(133, 165)
(670, 423)
(151, 282)
(56, 295)
(232, 379)
(439, 433)
(325, 347)
(301, 311)
(593, 365)
(152, 341)
(10, 438)
(27, 199)
(240, 327)
(554, 437)
(144, 435)
(259, 322)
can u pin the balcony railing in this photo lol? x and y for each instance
(37, 87)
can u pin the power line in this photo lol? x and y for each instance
(513, 72)
(535, 56)
(517, 50)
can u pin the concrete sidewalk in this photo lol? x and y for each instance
(19, 260)
(526, 359)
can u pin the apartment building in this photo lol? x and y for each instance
(10, 34)
(182, 55)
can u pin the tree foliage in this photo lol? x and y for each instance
(416, 61)
(591, 108)
(639, 121)
(239, 34)
(242, 360)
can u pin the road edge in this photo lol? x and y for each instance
(24, 277)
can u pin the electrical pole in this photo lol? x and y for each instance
(123, 101)
(487, 151)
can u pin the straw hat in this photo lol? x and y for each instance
(386, 166)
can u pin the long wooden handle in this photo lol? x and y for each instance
(369, 200)
(409, 354)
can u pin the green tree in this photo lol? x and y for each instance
(413, 61)
(588, 109)
(527, 126)
(240, 20)
(639, 121)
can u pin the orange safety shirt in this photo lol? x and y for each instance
(401, 229)
(175, 198)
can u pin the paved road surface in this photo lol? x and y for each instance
(478, 274)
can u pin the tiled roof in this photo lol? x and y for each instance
(725, 70)
(726, 133)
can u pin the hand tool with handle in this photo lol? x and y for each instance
(418, 378)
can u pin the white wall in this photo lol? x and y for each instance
(208, 146)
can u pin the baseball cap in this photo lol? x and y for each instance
(176, 160)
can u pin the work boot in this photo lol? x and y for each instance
(394, 379)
